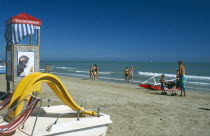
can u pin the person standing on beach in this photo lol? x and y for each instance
(126, 72)
(46, 68)
(182, 78)
(96, 71)
(131, 74)
(49, 68)
(92, 73)
(162, 83)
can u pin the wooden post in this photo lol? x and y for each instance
(8, 86)
(38, 36)
(31, 39)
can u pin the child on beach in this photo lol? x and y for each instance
(162, 82)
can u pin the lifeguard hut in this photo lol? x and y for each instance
(22, 59)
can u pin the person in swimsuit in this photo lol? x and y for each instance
(131, 74)
(96, 71)
(182, 78)
(126, 72)
(92, 72)
(49, 68)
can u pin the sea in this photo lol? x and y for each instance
(198, 74)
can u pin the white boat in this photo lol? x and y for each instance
(60, 120)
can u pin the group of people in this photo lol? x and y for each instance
(128, 74)
(47, 68)
(94, 72)
(180, 80)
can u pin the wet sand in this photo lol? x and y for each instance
(140, 112)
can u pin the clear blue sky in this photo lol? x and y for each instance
(158, 30)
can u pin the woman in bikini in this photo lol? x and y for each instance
(92, 72)
(96, 71)
(131, 74)
(126, 74)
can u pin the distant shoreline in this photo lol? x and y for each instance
(146, 61)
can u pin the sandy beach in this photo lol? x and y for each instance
(139, 112)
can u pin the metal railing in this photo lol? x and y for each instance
(4, 95)
(78, 115)
(82, 104)
(37, 99)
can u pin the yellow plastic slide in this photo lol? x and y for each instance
(32, 83)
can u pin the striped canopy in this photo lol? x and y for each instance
(14, 33)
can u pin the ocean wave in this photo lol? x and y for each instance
(173, 75)
(198, 83)
(82, 71)
(58, 73)
(105, 73)
(109, 78)
(80, 75)
(42, 70)
(198, 88)
(66, 68)
(156, 74)
(198, 77)
(118, 79)
(101, 73)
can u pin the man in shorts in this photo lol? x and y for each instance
(182, 78)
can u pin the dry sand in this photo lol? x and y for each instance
(140, 112)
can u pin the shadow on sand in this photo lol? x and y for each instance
(155, 92)
(204, 109)
(86, 79)
(1, 94)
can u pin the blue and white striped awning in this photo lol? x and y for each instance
(14, 33)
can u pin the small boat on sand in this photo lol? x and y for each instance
(171, 85)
